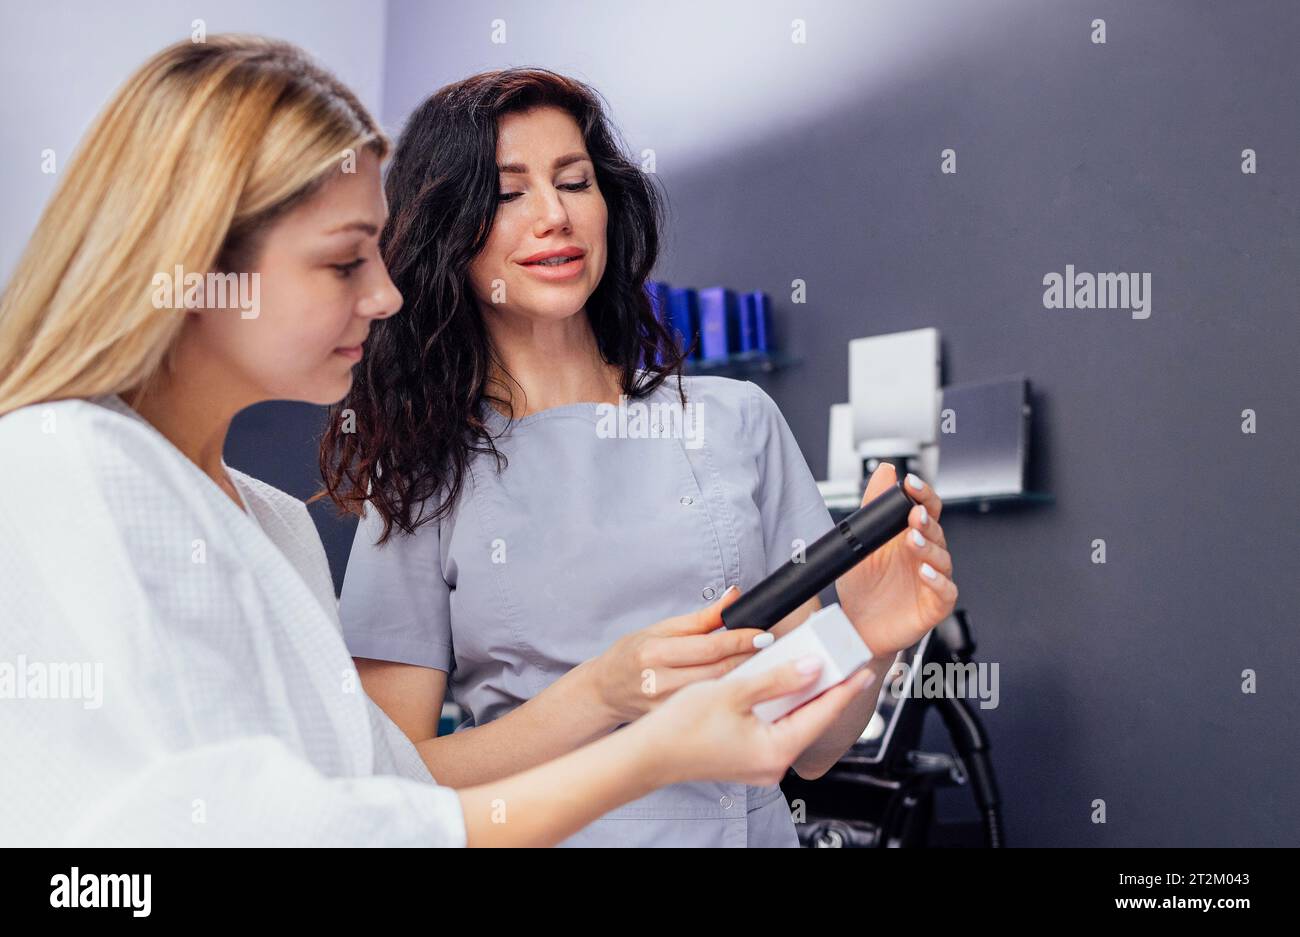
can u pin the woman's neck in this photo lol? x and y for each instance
(195, 416)
(550, 364)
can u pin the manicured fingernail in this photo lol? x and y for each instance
(925, 515)
(730, 589)
(928, 571)
(914, 482)
(918, 538)
(763, 640)
(809, 664)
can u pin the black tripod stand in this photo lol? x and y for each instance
(881, 793)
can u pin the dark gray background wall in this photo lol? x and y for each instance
(821, 162)
(61, 62)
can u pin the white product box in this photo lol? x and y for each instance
(827, 634)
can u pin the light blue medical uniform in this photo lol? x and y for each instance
(598, 527)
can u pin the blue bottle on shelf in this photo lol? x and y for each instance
(755, 323)
(719, 323)
(683, 315)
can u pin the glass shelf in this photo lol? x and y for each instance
(985, 503)
(981, 504)
(753, 362)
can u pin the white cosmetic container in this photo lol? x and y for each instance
(827, 634)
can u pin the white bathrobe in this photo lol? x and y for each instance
(172, 670)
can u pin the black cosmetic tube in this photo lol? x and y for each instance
(850, 542)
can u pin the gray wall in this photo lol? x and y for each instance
(821, 162)
(61, 61)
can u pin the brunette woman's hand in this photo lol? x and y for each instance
(646, 667)
(904, 588)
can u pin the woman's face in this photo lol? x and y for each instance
(549, 205)
(321, 283)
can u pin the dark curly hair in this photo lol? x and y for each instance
(416, 397)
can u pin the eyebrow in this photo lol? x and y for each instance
(560, 162)
(363, 226)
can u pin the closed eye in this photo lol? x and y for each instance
(345, 270)
(567, 187)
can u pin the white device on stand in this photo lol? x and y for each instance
(843, 485)
(894, 395)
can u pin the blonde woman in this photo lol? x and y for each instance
(172, 649)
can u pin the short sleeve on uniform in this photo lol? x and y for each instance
(395, 604)
(792, 508)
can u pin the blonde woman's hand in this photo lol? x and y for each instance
(708, 732)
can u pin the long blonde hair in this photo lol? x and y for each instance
(201, 148)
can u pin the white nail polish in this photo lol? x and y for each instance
(915, 482)
(918, 538)
(925, 515)
(764, 640)
(928, 571)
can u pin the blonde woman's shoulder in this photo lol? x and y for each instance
(67, 445)
(56, 427)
